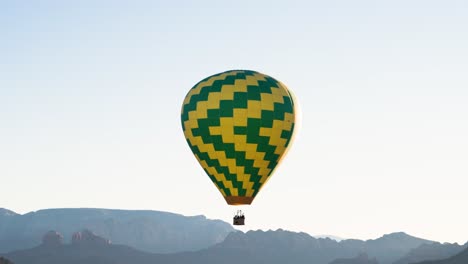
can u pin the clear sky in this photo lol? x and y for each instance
(90, 97)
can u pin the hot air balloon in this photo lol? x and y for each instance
(239, 124)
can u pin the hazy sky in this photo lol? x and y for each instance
(91, 91)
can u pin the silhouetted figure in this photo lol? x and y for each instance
(239, 218)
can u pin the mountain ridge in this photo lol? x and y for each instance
(6, 212)
(148, 230)
(274, 247)
(386, 249)
(433, 251)
(460, 258)
(143, 233)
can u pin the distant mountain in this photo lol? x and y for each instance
(86, 247)
(289, 247)
(152, 231)
(387, 248)
(276, 247)
(5, 212)
(432, 251)
(360, 259)
(273, 247)
(329, 236)
(460, 258)
(249, 249)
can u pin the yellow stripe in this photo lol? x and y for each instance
(213, 100)
(278, 94)
(227, 92)
(267, 102)
(227, 129)
(202, 106)
(288, 121)
(254, 109)
(240, 117)
(240, 85)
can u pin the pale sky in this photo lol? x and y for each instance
(90, 97)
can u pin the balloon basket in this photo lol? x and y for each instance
(239, 218)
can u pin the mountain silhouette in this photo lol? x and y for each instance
(86, 247)
(273, 247)
(337, 238)
(460, 258)
(362, 258)
(5, 212)
(387, 248)
(432, 251)
(281, 246)
(152, 231)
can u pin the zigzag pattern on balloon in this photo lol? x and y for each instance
(238, 124)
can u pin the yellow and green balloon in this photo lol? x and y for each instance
(239, 124)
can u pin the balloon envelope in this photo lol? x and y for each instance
(239, 125)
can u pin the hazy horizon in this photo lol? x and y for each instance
(90, 98)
